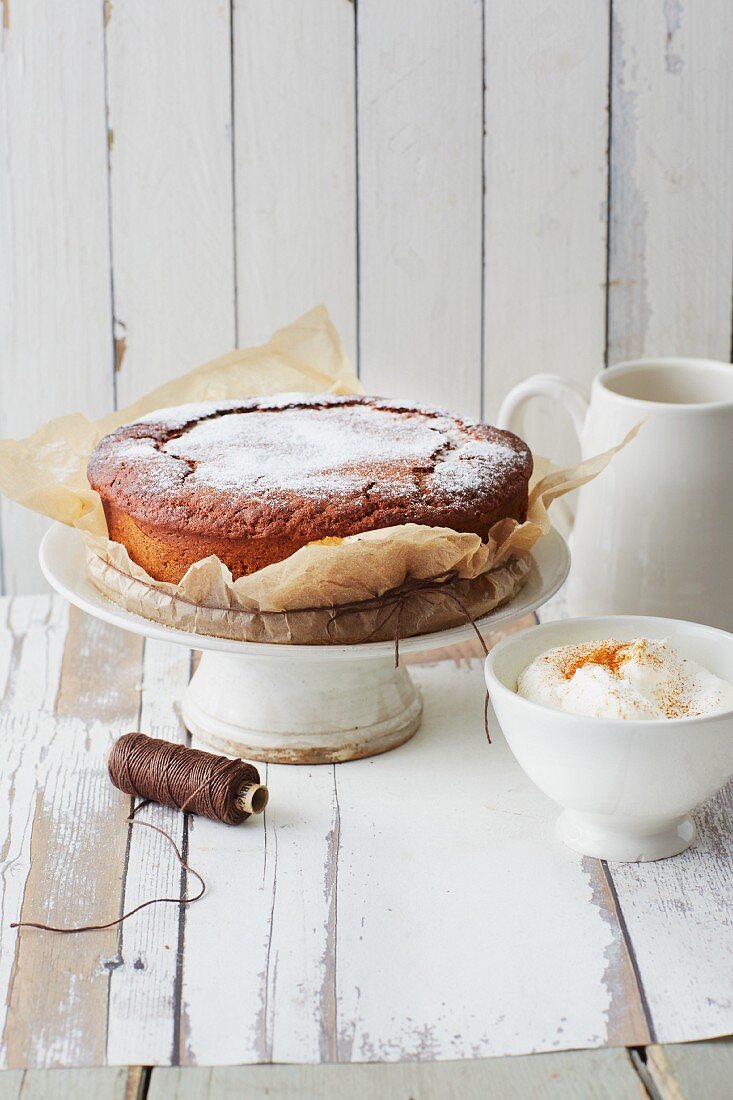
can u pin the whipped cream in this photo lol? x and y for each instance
(638, 679)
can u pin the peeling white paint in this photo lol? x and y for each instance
(465, 928)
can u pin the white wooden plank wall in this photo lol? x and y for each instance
(295, 153)
(169, 96)
(177, 177)
(420, 184)
(55, 317)
(546, 189)
(671, 222)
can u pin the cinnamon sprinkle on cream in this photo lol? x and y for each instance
(639, 679)
(610, 655)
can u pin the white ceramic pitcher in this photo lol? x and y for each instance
(653, 534)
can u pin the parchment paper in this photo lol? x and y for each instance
(408, 579)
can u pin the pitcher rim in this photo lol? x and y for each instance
(627, 365)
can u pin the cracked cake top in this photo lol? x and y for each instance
(305, 465)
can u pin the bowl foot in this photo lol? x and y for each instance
(627, 842)
(285, 711)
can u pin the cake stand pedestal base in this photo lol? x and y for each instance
(297, 704)
(302, 711)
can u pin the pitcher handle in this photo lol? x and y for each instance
(567, 393)
(571, 398)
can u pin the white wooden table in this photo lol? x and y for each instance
(66, 678)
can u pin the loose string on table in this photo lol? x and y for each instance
(186, 779)
(216, 787)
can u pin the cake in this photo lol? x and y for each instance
(254, 480)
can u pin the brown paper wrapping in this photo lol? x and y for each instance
(404, 580)
(405, 611)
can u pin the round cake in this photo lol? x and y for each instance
(252, 481)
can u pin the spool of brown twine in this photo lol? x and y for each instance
(185, 779)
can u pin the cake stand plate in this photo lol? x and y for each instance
(296, 704)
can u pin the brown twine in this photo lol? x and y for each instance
(207, 785)
(185, 779)
(393, 602)
(479, 635)
(404, 590)
(390, 602)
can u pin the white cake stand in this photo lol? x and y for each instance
(296, 704)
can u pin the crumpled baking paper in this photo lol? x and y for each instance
(403, 580)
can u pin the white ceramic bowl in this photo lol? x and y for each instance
(626, 787)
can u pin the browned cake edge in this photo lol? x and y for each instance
(166, 555)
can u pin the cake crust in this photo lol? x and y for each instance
(252, 481)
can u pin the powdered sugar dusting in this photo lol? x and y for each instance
(180, 415)
(326, 451)
(301, 466)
